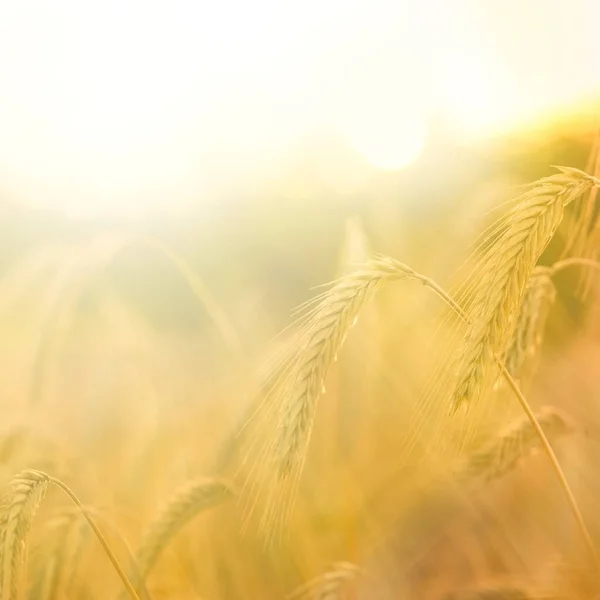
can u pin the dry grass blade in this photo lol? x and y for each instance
(528, 336)
(17, 511)
(184, 506)
(502, 454)
(505, 270)
(329, 586)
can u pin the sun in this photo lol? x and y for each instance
(387, 142)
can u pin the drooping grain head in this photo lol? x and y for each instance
(194, 498)
(17, 510)
(502, 453)
(501, 277)
(283, 424)
(323, 334)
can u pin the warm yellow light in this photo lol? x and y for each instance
(120, 107)
(476, 95)
(388, 142)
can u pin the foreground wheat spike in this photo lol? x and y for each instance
(322, 336)
(528, 336)
(328, 586)
(506, 268)
(17, 510)
(196, 497)
(18, 507)
(501, 454)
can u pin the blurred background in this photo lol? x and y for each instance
(176, 177)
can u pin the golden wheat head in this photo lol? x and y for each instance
(506, 268)
(196, 497)
(289, 408)
(17, 511)
(503, 452)
(324, 331)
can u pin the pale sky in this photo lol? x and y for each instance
(120, 107)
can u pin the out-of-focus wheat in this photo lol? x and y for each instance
(330, 585)
(528, 336)
(495, 592)
(196, 497)
(503, 452)
(55, 561)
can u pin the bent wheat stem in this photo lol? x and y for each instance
(573, 262)
(532, 418)
(113, 559)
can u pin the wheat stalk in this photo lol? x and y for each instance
(194, 498)
(505, 270)
(499, 284)
(456, 308)
(17, 511)
(53, 576)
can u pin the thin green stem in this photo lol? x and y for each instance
(101, 538)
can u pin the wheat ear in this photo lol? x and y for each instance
(539, 297)
(18, 508)
(501, 454)
(532, 419)
(505, 270)
(323, 334)
(298, 380)
(194, 498)
(330, 585)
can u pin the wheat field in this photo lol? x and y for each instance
(392, 411)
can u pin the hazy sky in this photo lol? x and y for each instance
(118, 106)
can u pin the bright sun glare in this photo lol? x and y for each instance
(121, 107)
